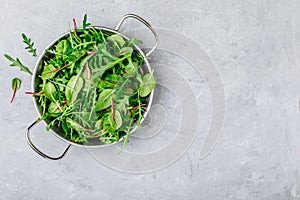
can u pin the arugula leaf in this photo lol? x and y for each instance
(122, 104)
(134, 41)
(17, 63)
(130, 68)
(84, 23)
(30, 45)
(65, 126)
(96, 61)
(75, 125)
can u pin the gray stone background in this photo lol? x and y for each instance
(256, 47)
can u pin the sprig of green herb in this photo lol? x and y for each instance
(84, 22)
(17, 63)
(30, 45)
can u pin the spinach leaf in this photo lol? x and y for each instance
(48, 72)
(49, 91)
(148, 84)
(105, 99)
(54, 108)
(115, 120)
(117, 39)
(63, 47)
(73, 88)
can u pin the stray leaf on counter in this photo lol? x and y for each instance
(17, 63)
(15, 85)
(30, 45)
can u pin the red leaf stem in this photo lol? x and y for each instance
(35, 93)
(14, 93)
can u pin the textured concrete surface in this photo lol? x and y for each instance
(256, 47)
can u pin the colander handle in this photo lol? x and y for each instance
(144, 22)
(36, 149)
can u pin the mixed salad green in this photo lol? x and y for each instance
(91, 86)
